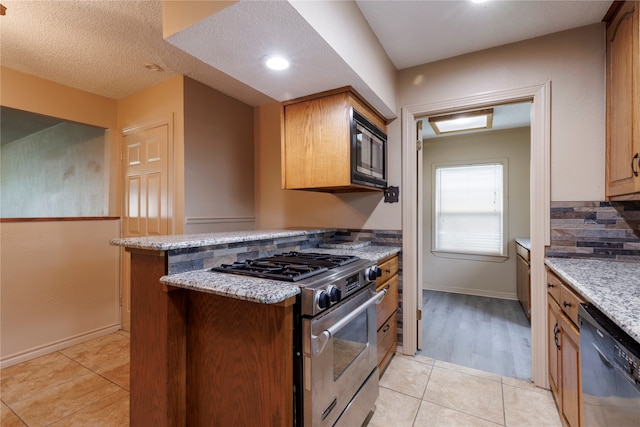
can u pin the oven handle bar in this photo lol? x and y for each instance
(320, 341)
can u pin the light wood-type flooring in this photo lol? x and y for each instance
(488, 334)
(87, 386)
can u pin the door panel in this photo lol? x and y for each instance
(146, 194)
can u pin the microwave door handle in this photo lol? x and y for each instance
(320, 341)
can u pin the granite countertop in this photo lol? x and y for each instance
(252, 289)
(371, 253)
(612, 286)
(524, 242)
(260, 290)
(183, 241)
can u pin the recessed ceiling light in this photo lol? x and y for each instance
(153, 67)
(479, 1)
(276, 62)
(472, 120)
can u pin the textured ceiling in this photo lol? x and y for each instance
(101, 46)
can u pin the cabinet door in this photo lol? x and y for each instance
(316, 150)
(390, 302)
(622, 102)
(570, 389)
(553, 333)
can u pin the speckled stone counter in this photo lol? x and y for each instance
(252, 289)
(371, 253)
(257, 289)
(524, 242)
(188, 241)
(612, 286)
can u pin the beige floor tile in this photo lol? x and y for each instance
(42, 373)
(111, 411)
(394, 409)
(430, 415)
(8, 418)
(529, 408)
(53, 404)
(119, 374)
(469, 371)
(407, 376)
(466, 393)
(424, 359)
(101, 353)
(527, 385)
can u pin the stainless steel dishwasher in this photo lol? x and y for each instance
(609, 361)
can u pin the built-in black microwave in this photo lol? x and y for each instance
(368, 152)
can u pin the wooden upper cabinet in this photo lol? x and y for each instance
(623, 101)
(316, 144)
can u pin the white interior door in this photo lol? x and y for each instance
(146, 194)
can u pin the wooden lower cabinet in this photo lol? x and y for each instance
(564, 350)
(387, 341)
(387, 312)
(200, 359)
(554, 347)
(570, 362)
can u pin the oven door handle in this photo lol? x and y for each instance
(320, 341)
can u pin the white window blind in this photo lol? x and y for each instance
(469, 209)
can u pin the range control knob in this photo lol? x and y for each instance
(373, 273)
(334, 294)
(324, 300)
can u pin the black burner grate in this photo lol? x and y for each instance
(270, 269)
(288, 266)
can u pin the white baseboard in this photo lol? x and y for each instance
(471, 291)
(52, 347)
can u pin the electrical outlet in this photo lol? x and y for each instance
(391, 194)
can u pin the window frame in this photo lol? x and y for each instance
(475, 256)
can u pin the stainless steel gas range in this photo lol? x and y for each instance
(335, 350)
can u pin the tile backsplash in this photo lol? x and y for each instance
(602, 230)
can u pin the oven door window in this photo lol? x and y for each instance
(348, 343)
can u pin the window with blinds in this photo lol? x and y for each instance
(469, 215)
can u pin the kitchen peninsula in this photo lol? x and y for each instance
(210, 348)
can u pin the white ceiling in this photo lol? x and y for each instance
(100, 46)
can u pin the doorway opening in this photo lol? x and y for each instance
(476, 202)
(539, 95)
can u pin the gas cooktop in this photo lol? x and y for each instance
(289, 266)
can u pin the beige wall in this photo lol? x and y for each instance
(218, 158)
(29, 93)
(277, 208)
(58, 280)
(476, 277)
(59, 284)
(164, 101)
(573, 61)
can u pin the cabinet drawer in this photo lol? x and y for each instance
(390, 302)
(389, 268)
(553, 286)
(569, 302)
(523, 252)
(387, 336)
